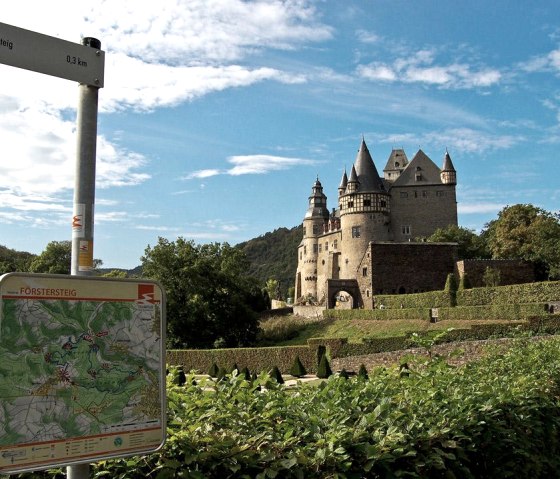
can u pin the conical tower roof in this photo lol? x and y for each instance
(447, 163)
(343, 181)
(366, 171)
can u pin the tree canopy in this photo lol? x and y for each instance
(471, 245)
(527, 232)
(210, 299)
(56, 258)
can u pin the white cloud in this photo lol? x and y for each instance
(473, 208)
(252, 165)
(420, 67)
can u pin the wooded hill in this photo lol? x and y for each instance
(274, 255)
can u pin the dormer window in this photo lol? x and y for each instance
(418, 168)
(397, 164)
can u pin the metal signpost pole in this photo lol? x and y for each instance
(84, 197)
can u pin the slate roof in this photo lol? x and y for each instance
(420, 171)
(366, 171)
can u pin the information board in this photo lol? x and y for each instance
(82, 369)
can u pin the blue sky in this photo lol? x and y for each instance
(217, 115)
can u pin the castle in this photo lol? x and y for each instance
(370, 244)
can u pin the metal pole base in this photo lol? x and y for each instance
(78, 471)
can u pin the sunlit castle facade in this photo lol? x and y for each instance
(372, 242)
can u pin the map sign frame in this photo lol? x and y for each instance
(82, 370)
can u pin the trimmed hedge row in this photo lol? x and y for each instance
(255, 359)
(510, 311)
(430, 299)
(537, 325)
(378, 314)
(520, 293)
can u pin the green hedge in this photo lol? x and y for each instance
(378, 314)
(255, 359)
(430, 299)
(511, 311)
(536, 325)
(520, 293)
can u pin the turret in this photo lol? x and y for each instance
(343, 184)
(448, 173)
(353, 183)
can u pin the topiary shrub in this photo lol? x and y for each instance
(362, 372)
(235, 367)
(276, 375)
(245, 373)
(222, 373)
(298, 369)
(324, 369)
(321, 351)
(344, 374)
(213, 371)
(451, 288)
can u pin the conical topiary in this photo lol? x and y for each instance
(362, 372)
(276, 375)
(213, 371)
(343, 374)
(234, 367)
(298, 369)
(321, 351)
(222, 373)
(324, 370)
(245, 373)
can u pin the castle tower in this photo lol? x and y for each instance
(343, 184)
(314, 223)
(448, 173)
(364, 212)
(396, 163)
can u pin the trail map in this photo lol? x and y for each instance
(81, 370)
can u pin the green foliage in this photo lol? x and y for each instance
(522, 293)
(362, 372)
(324, 369)
(471, 245)
(526, 232)
(491, 277)
(56, 259)
(464, 282)
(245, 373)
(273, 255)
(213, 371)
(276, 375)
(344, 374)
(298, 369)
(497, 417)
(12, 260)
(210, 299)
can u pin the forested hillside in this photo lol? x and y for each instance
(274, 255)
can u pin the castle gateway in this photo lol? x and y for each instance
(367, 245)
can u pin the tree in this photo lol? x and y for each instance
(210, 299)
(55, 259)
(529, 233)
(491, 277)
(471, 245)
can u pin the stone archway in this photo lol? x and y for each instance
(347, 287)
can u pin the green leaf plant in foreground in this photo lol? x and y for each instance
(494, 418)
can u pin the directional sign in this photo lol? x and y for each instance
(50, 55)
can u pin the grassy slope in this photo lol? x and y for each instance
(356, 330)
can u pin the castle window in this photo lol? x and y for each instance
(355, 231)
(327, 246)
(439, 193)
(404, 194)
(367, 202)
(383, 203)
(418, 176)
(304, 231)
(315, 229)
(335, 244)
(418, 168)
(405, 230)
(425, 194)
(300, 255)
(315, 248)
(397, 164)
(364, 271)
(320, 248)
(350, 204)
(305, 250)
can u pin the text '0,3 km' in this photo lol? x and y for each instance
(51, 56)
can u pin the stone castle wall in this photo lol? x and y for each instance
(512, 271)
